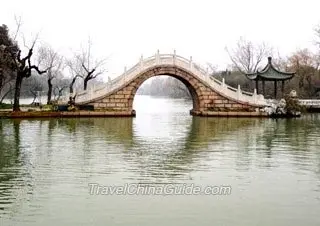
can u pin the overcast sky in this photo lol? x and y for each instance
(124, 29)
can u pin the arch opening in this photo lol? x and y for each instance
(174, 75)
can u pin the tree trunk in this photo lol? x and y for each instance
(17, 91)
(60, 93)
(34, 96)
(71, 88)
(49, 91)
(85, 84)
(1, 79)
(71, 84)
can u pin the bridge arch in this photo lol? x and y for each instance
(178, 73)
(210, 96)
(203, 97)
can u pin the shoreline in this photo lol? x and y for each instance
(77, 114)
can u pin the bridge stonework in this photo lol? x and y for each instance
(205, 99)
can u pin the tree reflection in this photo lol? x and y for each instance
(9, 161)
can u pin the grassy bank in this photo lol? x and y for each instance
(5, 106)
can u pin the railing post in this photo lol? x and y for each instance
(223, 83)
(239, 92)
(141, 62)
(190, 63)
(174, 56)
(108, 84)
(125, 73)
(206, 76)
(158, 57)
(255, 96)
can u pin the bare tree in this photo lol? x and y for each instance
(86, 66)
(317, 33)
(307, 66)
(50, 59)
(24, 68)
(74, 68)
(35, 86)
(247, 56)
(60, 84)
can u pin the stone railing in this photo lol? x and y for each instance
(310, 102)
(170, 59)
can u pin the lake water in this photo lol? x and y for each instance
(48, 166)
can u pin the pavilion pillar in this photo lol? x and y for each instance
(282, 88)
(257, 86)
(275, 89)
(263, 88)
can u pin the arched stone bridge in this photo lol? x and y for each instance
(208, 94)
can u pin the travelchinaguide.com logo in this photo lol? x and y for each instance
(158, 189)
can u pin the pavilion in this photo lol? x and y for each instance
(271, 74)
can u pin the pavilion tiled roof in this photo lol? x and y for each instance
(270, 73)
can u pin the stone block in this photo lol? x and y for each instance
(233, 113)
(202, 88)
(206, 93)
(84, 113)
(207, 101)
(126, 92)
(236, 105)
(120, 104)
(223, 113)
(219, 105)
(111, 104)
(218, 101)
(97, 113)
(244, 114)
(129, 88)
(102, 105)
(201, 104)
(212, 113)
(118, 96)
(212, 97)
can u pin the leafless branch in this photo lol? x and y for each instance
(18, 23)
(247, 57)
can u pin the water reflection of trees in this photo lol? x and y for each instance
(117, 129)
(10, 159)
(297, 139)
